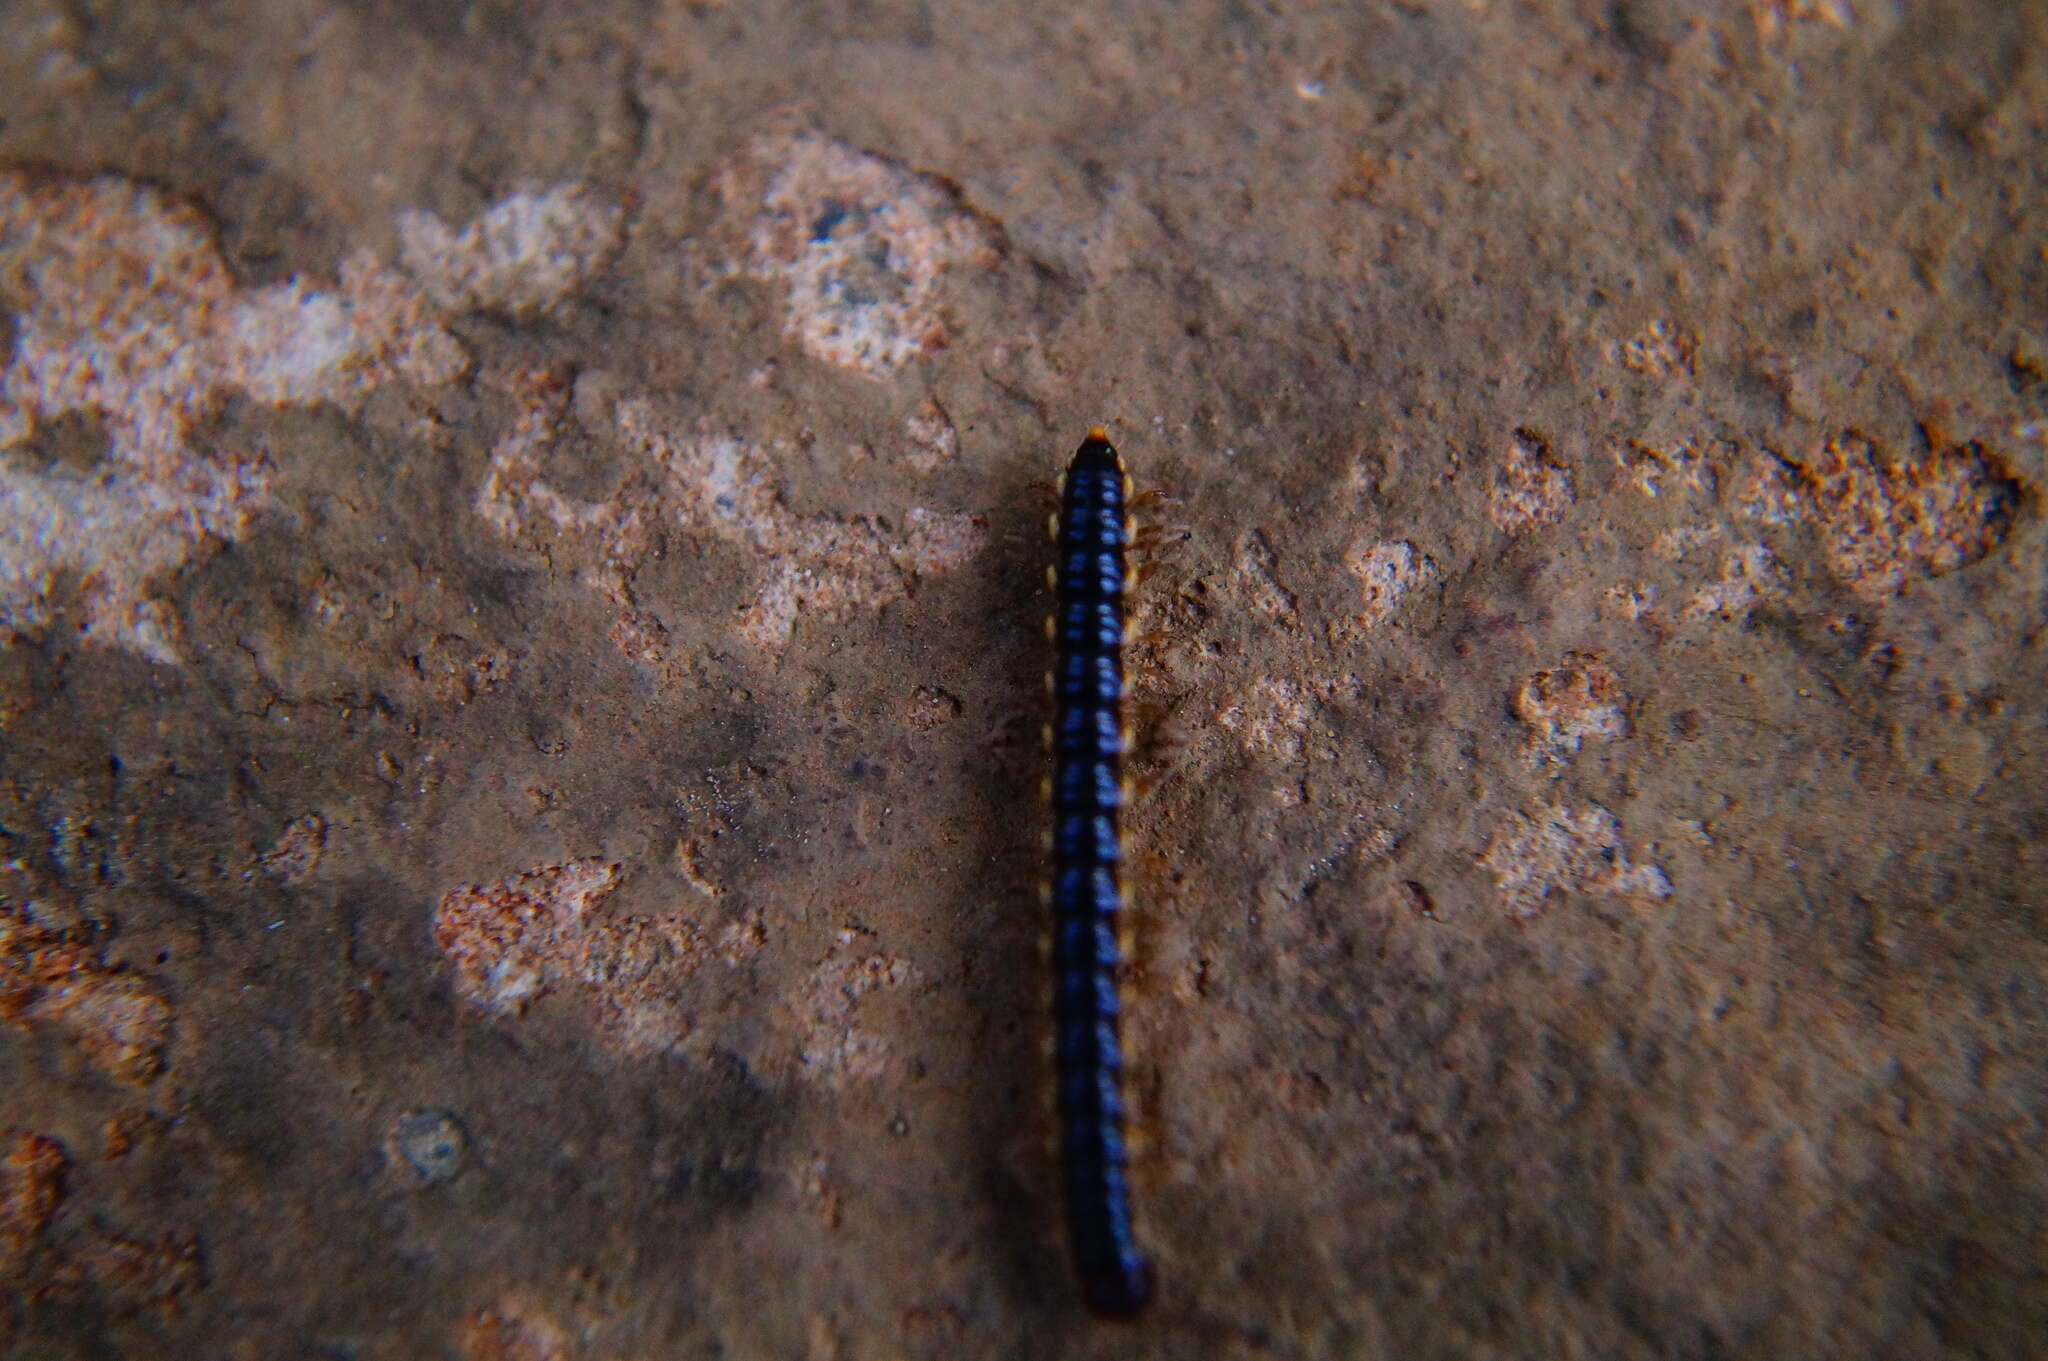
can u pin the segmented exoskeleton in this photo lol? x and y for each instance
(1091, 532)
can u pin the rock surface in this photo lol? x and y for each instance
(519, 644)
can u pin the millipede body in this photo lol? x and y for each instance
(1091, 533)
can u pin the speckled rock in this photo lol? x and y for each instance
(521, 542)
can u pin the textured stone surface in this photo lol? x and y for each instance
(55, 980)
(520, 559)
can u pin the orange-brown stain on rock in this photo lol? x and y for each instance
(132, 1273)
(117, 1019)
(1885, 519)
(31, 1186)
(1530, 488)
(1566, 704)
(512, 1328)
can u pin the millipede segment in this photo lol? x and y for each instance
(1091, 534)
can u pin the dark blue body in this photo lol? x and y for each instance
(1087, 897)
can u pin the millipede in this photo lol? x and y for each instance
(1091, 533)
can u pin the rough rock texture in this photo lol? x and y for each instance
(31, 1185)
(115, 1019)
(520, 559)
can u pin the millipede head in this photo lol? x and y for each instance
(1096, 454)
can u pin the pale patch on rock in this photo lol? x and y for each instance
(1386, 572)
(1767, 492)
(721, 486)
(1885, 519)
(514, 1327)
(1535, 855)
(824, 1012)
(1374, 845)
(743, 939)
(298, 850)
(1275, 716)
(120, 536)
(1567, 704)
(1258, 576)
(1750, 576)
(1270, 717)
(929, 707)
(817, 1187)
(524, 255)
(933, 440)
(1661, 350)
(517, 500)
(128, 313)
(1529, 488)
(1682, 541)
(861, 242)
(690, 865)
(1775, 18)
(1634, 601)
(506, 939)
(519, 939)
(117, 1019)
(1690, 465)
